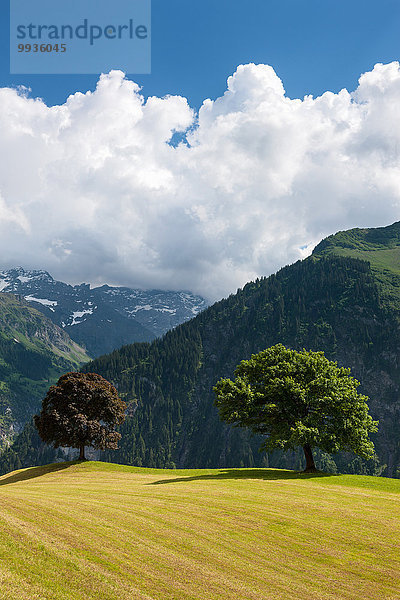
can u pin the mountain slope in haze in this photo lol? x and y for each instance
(338, 304)
(33, 353)
(102, 318)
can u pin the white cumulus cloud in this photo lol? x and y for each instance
(93, 191)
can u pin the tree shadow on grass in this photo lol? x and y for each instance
(33, 472)
(266, 474)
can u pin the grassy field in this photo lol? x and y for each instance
(387, 259)
(77, 531)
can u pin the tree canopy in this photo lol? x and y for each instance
(81, 410)
(298, 399)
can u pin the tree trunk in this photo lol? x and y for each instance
(310, 465)
(82, 452)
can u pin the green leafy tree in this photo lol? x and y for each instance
(81, 410)
(298, 399)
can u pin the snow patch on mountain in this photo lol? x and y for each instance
(49, 303)
(143, 307)
(78, 314)
(162, 309)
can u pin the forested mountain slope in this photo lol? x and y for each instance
(327, 302)
(380, 246)
(33, 353)
(332, 304)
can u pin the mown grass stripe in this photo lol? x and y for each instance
(100, 531)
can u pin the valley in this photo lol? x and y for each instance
(33, 354)
(331, 301)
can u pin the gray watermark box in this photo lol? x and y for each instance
(80, 36)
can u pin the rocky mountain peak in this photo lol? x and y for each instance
(106, 317)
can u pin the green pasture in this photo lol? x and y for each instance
(80, 531)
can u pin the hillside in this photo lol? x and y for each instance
(333, 304)
(102, 318)
(379, 246)
(33, 353)
(327, 302)
(102, 531)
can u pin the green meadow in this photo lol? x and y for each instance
(77, 531)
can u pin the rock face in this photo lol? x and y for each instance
(103, 318)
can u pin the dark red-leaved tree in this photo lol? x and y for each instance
(81, 410)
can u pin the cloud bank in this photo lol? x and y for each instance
(93, 191)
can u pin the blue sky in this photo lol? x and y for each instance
(313, 45)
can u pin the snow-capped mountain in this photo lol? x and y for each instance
(102, 318)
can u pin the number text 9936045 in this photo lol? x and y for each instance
(42, 48)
